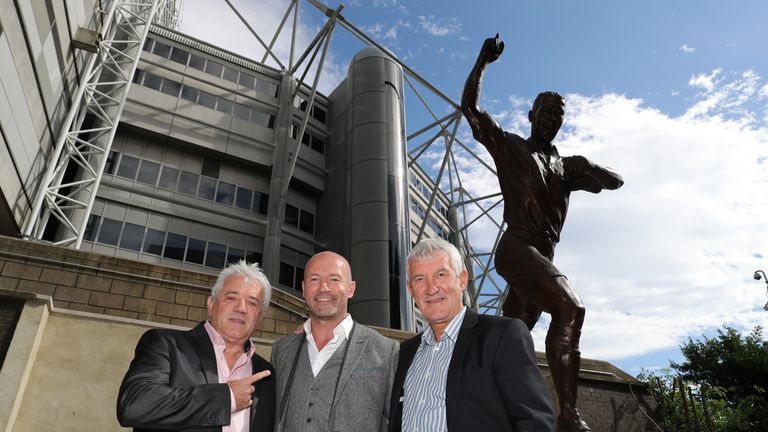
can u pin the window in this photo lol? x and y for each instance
(307, 222)
(148, 172)
(189, 93)
(207, 188)
(161, 49)
(152, 81)
(225, 193)
(179, 56)
(109, 166)
(171, 87)
(132, 236)
(214, 68)
(247, 80)
(129, 166)
(230, 74)
(211, 167)
(174, 246)
(196, 62)
(286, 274)
(196, 251)
(243, 198)
(188, 183)
(168, 178)
(153, 243)
(253, 257)
(291, 215)
(110, 231)
(242, 112)
(234, 255)
(224, 106)
(216, 255)
(148, 44)
(319, 114)
(260, 202)
(207, 100)
(90, 228)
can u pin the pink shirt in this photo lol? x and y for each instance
(239, 421)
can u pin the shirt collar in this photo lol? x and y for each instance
(340, 331)
(451, 331)
(217, 340)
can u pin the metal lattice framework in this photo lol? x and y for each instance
(434, 146)
(74, 170)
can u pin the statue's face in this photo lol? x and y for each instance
(546, 118)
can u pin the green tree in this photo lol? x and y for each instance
(728, 378)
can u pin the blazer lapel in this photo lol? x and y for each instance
(357, 345)
(453, 381)
(202, 344)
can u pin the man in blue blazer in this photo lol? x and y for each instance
(465, 372)
(208, 378)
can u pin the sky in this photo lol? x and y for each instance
(672, 95)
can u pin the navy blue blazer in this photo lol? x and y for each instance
(493, 381)
(173, 384)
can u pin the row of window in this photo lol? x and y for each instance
(203, 186)
(209, 66)
(316, 112)
(312, 141)
(200, 97)
(179, 247)
(432, 223)
(426, 192)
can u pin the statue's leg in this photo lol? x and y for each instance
(562, 344)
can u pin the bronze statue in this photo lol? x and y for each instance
(536, 183)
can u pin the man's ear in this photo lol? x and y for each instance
(530, 116)
(209, 304)
(352, 287)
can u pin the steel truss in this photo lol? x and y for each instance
(77, 162)
(441, 143)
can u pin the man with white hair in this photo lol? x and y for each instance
(208, 378)
(465, 372)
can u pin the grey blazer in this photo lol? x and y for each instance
(362, 399)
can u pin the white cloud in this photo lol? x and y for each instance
(671, 253)
(439, 26)
(686, 49)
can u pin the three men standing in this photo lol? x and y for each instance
(337, 374)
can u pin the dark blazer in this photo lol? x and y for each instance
(173, 384)
(493, 382)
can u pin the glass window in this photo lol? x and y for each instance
(153, 243)
(305, 139)
(319, 114)
(213, 68)
(207, 188)
(318, 145)
(161, 49)
(211, 167)
(216, 255)
(286, 274)
(90, 228)
(152, 81)
(230, 74)
(188, 183)
(260, 203)
(195, 251)
(234, 255)
(174, 246)
(207, 100)
(242, 112)
(266, 87)
(168, 178)
(129, 165)
(148, 172)
(148, 44)
(196, 62)
(179, 55)
(224, 106)
(171, 87)
(298, 279)
(138, 76)
(307, 222)
(253, 257)
(243, 198)
(132, 235)
(109, 166)
(259, 117)
(291, 215)
(271, 122)
(189, 93)
(110, 231)
(247, 80)
(225, 194)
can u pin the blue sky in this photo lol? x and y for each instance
(672, 95)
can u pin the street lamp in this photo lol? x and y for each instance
(758, 275)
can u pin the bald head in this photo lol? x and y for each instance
(328, 286)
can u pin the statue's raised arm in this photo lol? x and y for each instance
(484, 128)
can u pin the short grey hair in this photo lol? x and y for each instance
(252, 272)
(427, 248)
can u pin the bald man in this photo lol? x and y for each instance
(337, 374)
